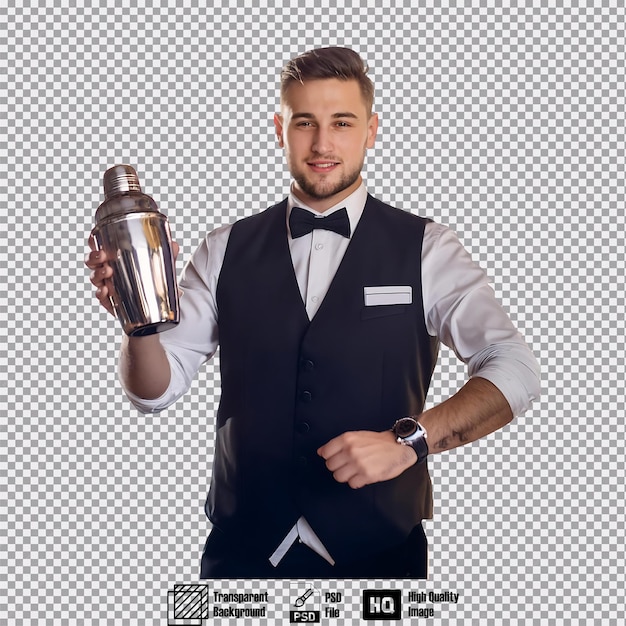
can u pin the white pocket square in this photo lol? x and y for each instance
(377, 296)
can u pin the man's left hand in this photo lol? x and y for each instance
(364, 457)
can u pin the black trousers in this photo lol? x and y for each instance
(223, 559)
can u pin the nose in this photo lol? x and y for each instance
(322, 141)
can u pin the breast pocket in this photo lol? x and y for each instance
(383, 300)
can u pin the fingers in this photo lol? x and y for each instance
(95, 258)
(361, 458)
(100, 277)
(347, 470)
(102, 273)
(104, 295)
(332, 447)
(343, 459)
(101, 270)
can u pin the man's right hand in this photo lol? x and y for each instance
(144, 368)
(102, 274)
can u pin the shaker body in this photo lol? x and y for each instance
(138, 246)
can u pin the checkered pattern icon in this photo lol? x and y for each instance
(188, 605)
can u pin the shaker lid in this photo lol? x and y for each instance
(120, 179)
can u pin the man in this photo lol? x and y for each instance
(330, 307)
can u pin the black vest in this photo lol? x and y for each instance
(290, 385)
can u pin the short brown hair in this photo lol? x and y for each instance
(341, 63)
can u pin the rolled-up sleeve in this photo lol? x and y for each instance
(195, 339)
(461, 309)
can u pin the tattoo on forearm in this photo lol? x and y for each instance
(461, 436)
(443, 443)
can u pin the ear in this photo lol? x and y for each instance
(372, 129)
(278, 124)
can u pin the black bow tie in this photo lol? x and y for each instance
(302, 222)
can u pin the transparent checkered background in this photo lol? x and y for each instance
(504, 122)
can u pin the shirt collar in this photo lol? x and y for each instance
(354, 205)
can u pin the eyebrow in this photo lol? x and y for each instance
(310, 116)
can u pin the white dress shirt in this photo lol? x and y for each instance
(460, 308)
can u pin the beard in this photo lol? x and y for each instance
(325, 188)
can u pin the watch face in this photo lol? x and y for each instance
(405, 427)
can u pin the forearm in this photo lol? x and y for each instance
(144, 368)
(477, 409)
(364, 457)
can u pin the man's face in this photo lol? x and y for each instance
(325, 129)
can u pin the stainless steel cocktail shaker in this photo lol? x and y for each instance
(137, 241)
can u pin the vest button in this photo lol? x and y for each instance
(302, 461)
(306, 396)
(303, 427)
(308, 365)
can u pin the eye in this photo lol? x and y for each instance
(343, 124)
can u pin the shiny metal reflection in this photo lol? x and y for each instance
(138, 243)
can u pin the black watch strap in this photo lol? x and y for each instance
(420, 445)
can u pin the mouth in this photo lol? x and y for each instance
(322, 166)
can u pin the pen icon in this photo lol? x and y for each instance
(303, 598)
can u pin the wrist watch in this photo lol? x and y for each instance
(410, 432)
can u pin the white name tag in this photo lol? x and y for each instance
(379, 296)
